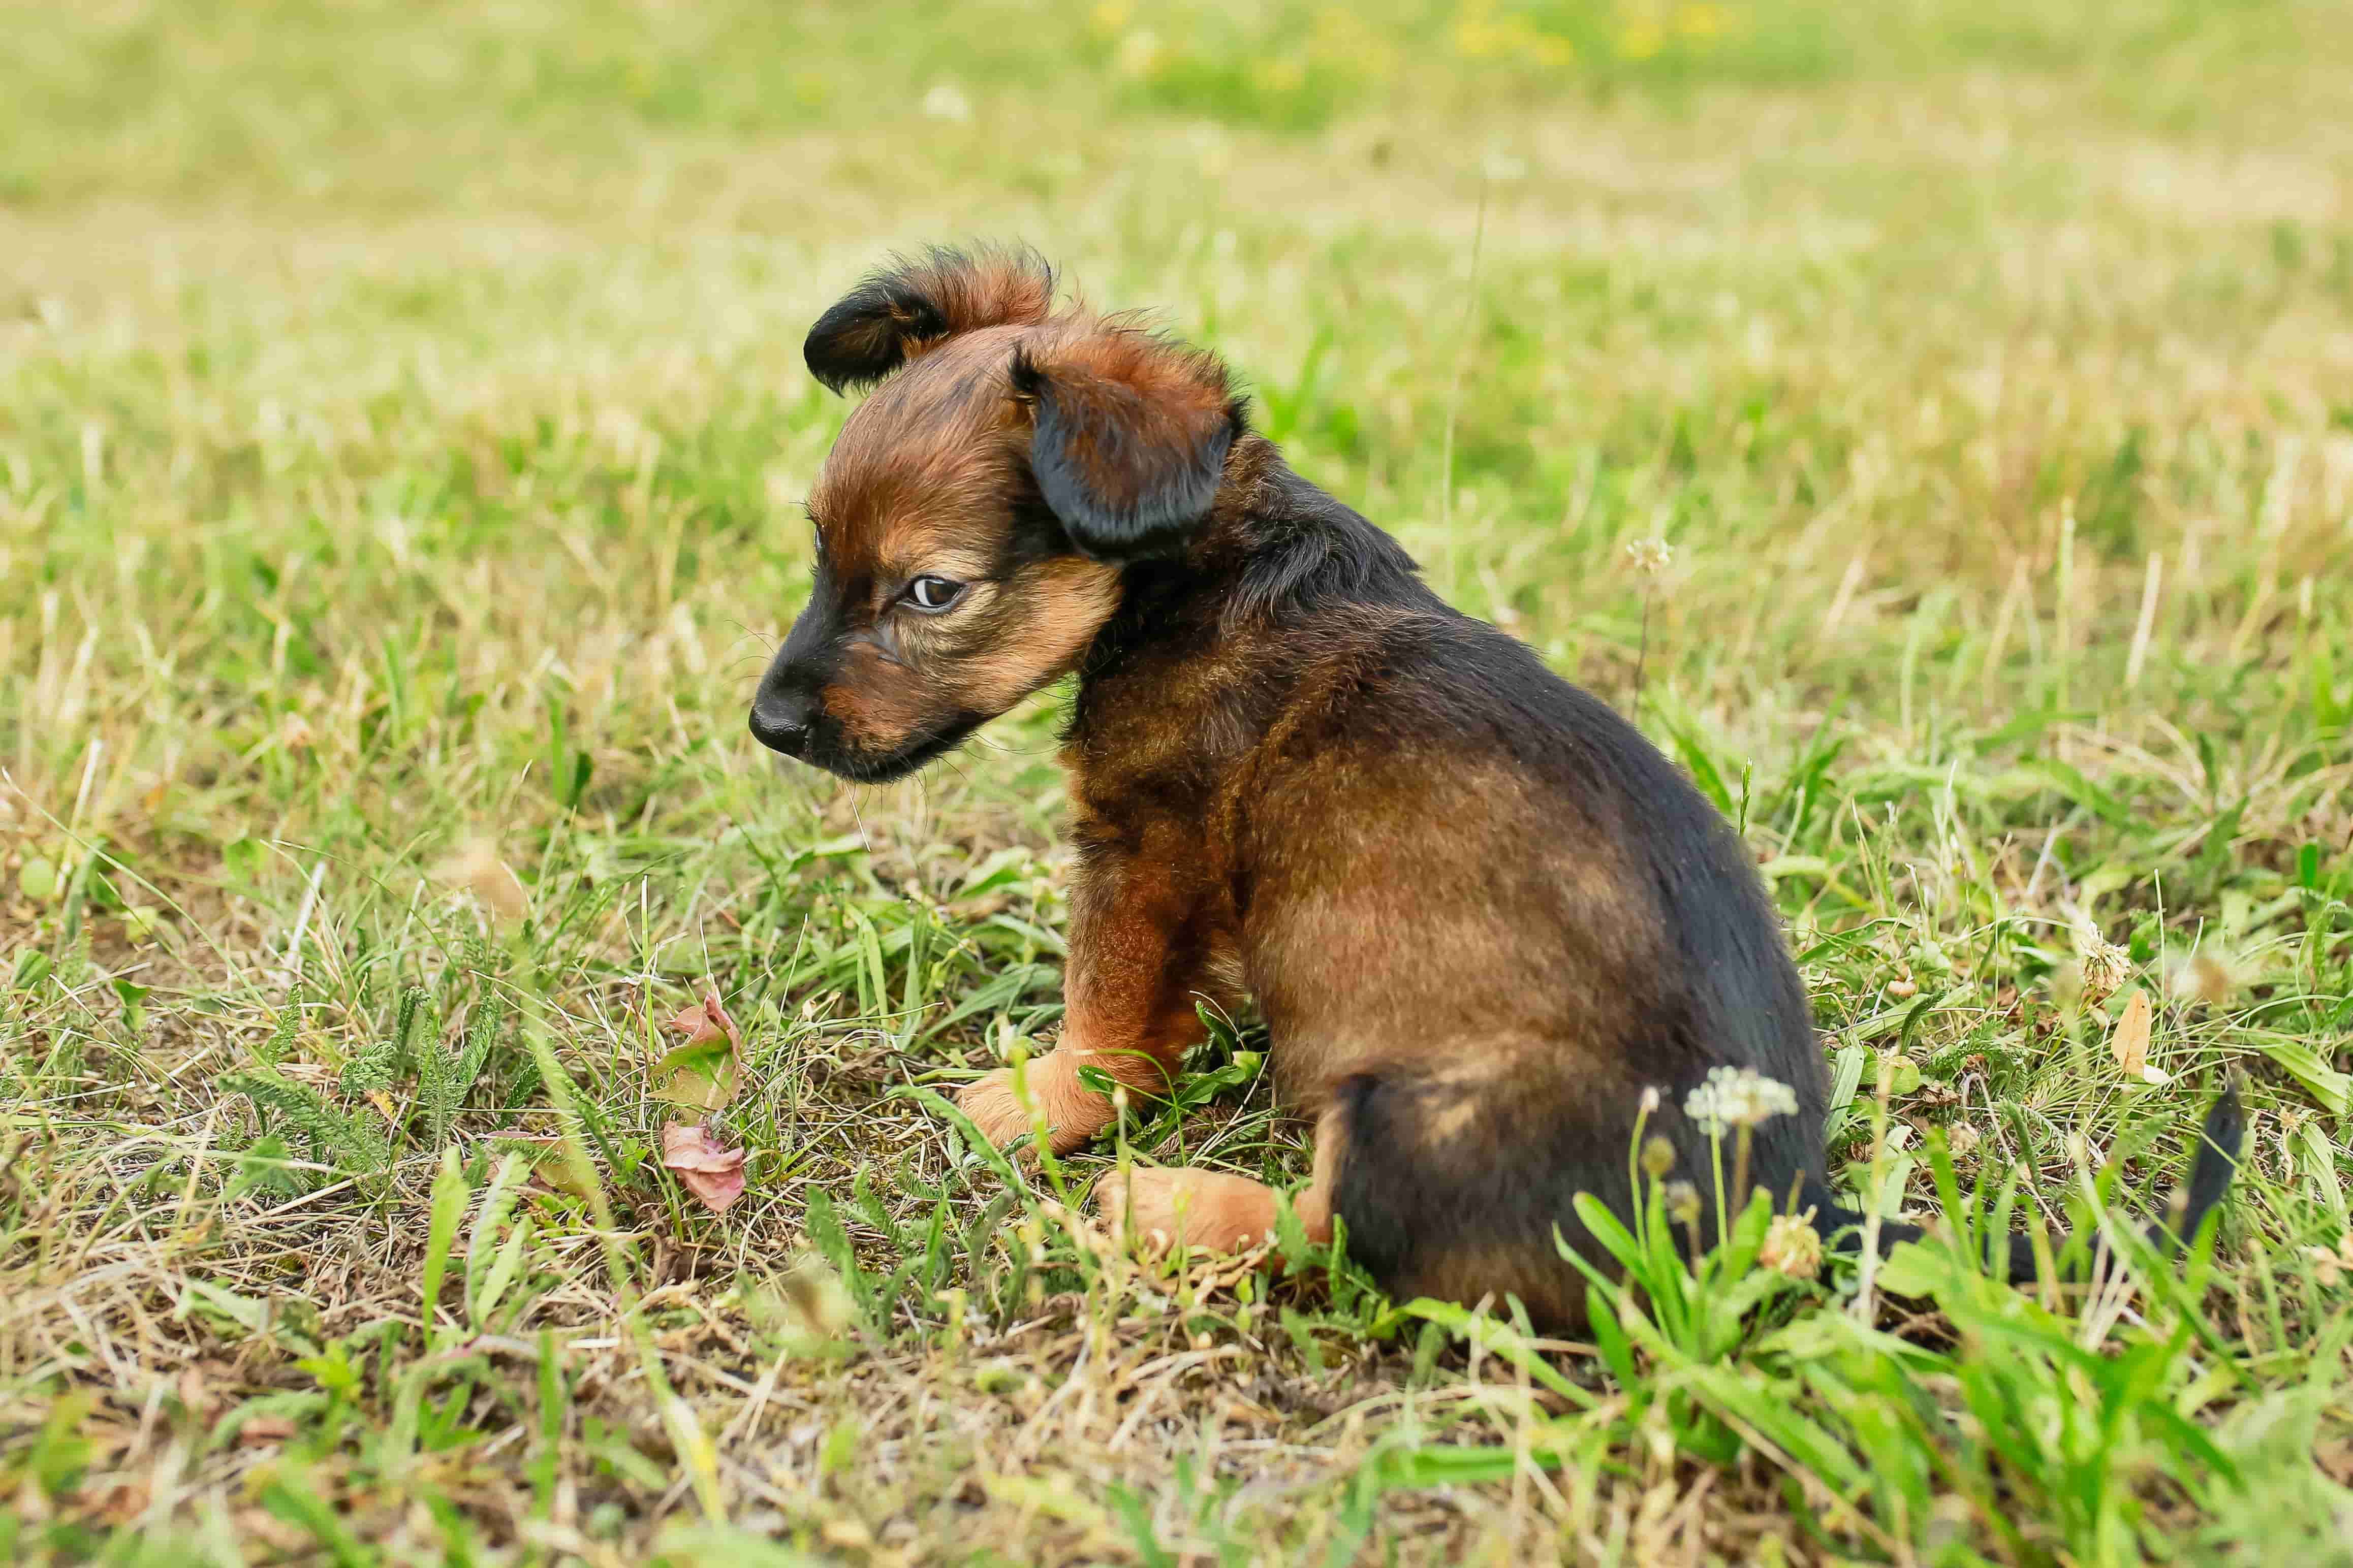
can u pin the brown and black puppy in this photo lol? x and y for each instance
(1479, 913)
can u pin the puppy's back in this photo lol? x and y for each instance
(1484, 914)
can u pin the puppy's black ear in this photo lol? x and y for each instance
(897, 313)
(1129, 440)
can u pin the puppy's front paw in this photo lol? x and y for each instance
(1073, 1112)
(994, 1108)
(1158, 1208)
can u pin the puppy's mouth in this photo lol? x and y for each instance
(825, 747)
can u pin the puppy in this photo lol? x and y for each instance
(1480, 914)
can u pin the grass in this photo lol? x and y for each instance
(400, 420)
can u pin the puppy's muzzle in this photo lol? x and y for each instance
(783, 713)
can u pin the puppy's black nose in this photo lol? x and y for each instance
(781, 720)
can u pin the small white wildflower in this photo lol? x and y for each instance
(1502, 169)
(1650, 556)
(1138, 55)
(1738, 1096)
(947, 101)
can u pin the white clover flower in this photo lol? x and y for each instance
(1792, 1245)
(2104, 965)
(1738, 1096)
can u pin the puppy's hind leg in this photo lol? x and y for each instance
(1210, 1210)
(1160, 1208)
(1457, 1182)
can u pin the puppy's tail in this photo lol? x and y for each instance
(2217, 1162)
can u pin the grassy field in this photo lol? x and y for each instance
(401, 423)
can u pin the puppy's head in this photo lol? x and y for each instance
(975, 517)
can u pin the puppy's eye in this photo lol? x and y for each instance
(934, 592)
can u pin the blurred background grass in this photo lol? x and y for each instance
(403, 106)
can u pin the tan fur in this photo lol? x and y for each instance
(1065, 602)
(918, 484)
(1156, 1208)
(1073, 1112)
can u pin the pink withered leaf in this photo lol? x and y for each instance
(705, 1021)
(712, 1172)
(702, 1071)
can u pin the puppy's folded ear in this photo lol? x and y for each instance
(897, 313)
(1129, 439)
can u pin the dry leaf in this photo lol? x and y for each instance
(265, 1428)
(707, 1020)
(478, 869)
(712, 1172)
(704, 1070)
(2129, 1041)
(2211, 979)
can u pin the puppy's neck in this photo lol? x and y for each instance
(1276, 552)
(1205, 649)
